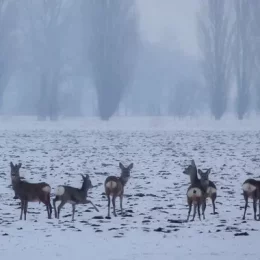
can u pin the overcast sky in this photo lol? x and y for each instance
(172, 21)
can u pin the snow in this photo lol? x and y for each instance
(160, 148)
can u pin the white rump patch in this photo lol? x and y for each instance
(60, 191)
(194, 192)
(111, 185)
(211, 190)
(46, 189)
(247, 187)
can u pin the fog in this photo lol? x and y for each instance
(179, 58)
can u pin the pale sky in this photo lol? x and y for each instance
(172, 21)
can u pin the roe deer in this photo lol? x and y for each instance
(195, 192)
(114, 186)
(30, 192)
(251, 189)
(209, 186)
(74, 196)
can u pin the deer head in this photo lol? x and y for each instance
(125, 171)
(204, 176)
(191, 170)
(87, 184)
(15, 171)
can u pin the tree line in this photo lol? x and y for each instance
(228, 36)
(67, 58)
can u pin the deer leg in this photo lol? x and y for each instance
(22, 209)
(15, 196)
(246, 205)
(108, 206)
(46, 203)
(213, 198)
(45, 199)
(190, 205)
(203, 208)
(194, 210)
(54, 206)
(259, 210)
(114, 205)
(49, 206)
(121, 204)
(60, 206)
(73, 211)
(89, 201)
(199, 210)
(25, 209)
(254, 206)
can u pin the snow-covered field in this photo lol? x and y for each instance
(155, 201)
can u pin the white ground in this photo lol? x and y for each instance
(160, 149)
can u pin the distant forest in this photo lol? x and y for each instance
(88, 58)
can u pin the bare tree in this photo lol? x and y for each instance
(243, 55)
(112, 39)
(8, 42)
(48, 26)
(255, 25)
(215, 39)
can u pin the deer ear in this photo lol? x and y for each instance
(130, 166)
(20, 165)
(193, 163)
(82, 175)
(87, 176)
(11, 164)
(121, 166)
(208, 171)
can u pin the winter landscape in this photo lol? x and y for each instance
(89, 87)
(155, 204)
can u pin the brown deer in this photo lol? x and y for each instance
(209, 186)
(195, 193)
(74, 196)
(30, 192)
(114, 186)
(251, 189)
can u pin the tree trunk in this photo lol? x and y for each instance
(43, 100)
(54, 106)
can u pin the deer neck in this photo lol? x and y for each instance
(16, 183)
(204, 182)
(194, 177)
(84, 188)
(123, 180)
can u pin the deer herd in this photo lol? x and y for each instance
(199, 190)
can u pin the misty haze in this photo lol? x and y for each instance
(129, 129)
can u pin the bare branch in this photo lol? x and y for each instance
(215, 37)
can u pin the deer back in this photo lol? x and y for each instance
(253, 182)
(31, 191)
(68, 193)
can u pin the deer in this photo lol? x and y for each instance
(72, 195)
(251, 189)
(29, 192)
(114, 186)
(209, 186)
(195, 192)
